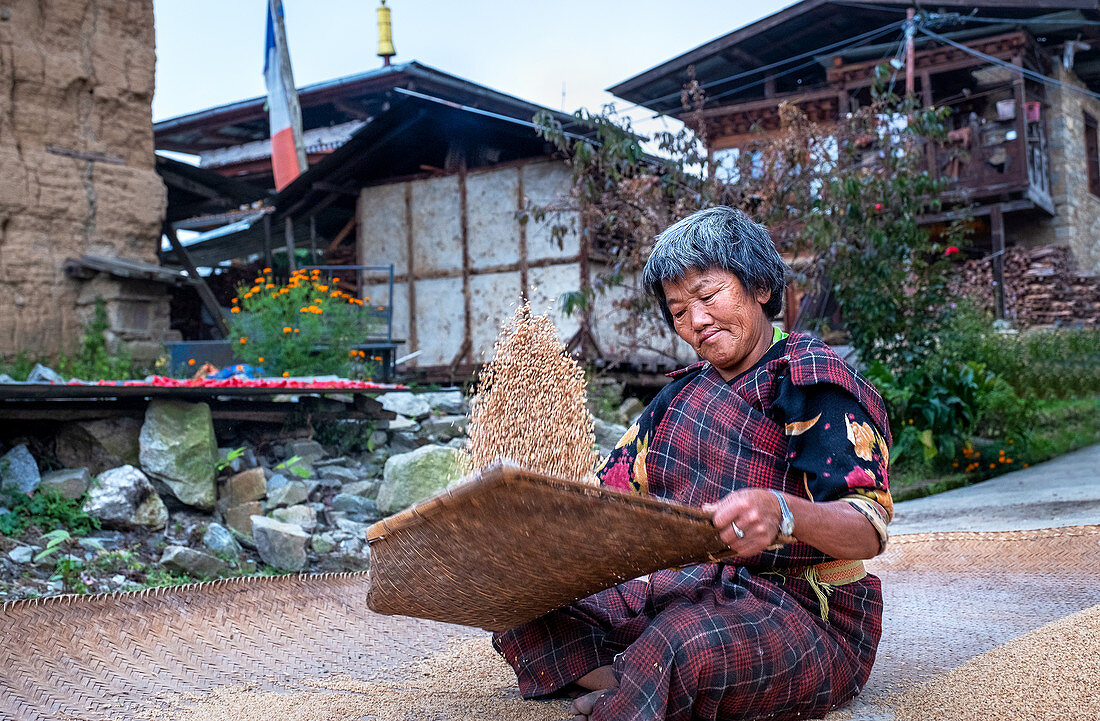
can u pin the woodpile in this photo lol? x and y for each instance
(1043, 287)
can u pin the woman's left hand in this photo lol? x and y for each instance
(753, 512)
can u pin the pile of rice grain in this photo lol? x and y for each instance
(467, 682)
(530, 405)
(1049, 673)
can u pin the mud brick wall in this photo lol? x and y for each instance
(77, 170)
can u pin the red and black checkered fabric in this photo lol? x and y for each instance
(718, 641)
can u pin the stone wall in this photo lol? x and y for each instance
(1077, 219)
(76, 158)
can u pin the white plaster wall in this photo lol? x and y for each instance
(548, 183)
(437, 224)
(638, 336)
(378, 295)
(546, 287)
(382, 230)
(492, 200)
(493, 300)
(440, 320)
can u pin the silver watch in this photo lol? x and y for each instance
(786, 521)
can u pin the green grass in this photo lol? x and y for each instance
(1058, 427)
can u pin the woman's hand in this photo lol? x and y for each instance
(834, 528)
(747, 520)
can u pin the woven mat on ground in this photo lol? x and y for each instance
(306, 649)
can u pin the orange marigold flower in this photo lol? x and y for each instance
(258, 280)
(287, 329)
(296, 330)
(303, 310)
(335, 280)
(267, 270)
(244, 339)
(322, 288)
(269, 286)
(234, 310)
(190, 361)
(260, 359)
(286, 374)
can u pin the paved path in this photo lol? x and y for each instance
(1061, 492)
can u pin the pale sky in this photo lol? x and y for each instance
(210, 52)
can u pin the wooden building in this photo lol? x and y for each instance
(1020, 79)
(435, 180)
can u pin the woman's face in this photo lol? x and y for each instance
(725, 325)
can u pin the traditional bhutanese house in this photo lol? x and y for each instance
(1020, 80)
(421, 171)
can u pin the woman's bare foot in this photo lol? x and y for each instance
(583, 705)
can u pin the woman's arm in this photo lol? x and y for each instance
(834, 528)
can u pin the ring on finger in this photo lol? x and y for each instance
(739, 533)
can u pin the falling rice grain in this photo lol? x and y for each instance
(530, 405)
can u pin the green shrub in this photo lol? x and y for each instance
(46, 509)
(1053, 363)
(303, 327)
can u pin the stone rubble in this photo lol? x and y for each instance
(255, 511)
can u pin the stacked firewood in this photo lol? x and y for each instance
(1043, 287)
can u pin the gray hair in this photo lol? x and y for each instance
(718, 237)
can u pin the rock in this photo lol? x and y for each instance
(301, 515)
(448, 403)
(343, 474)
(355, 505)
(103, 541)
(178, 448)
(192, 562)
(290, 494)
(245, 486)
(377, 439)
(608, 435)
(353, 528)
(443, 428)
(42, 374)
(308, 451)
(275, 482)
(351, 547)
(69, 482)
(125, 499)
(362, 488)
(405, 441)
(239, 518)
(19, 470)
(5, 378)
(322, 543)
(247, 458)
(458, 443)
(630, 409)
(338, 461)
(219, 539)
(99, 445)
(282, 545)
(401, 423)
(23, 554)
(409, 477)
(405, 404)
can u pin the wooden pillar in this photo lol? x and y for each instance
(205, 294)
(410, 268)
(910, 54)
(524, 263)
(997, 230)
(268, 256)
(1021, 119)
(288, 231)
(313, 240)
(466, 348)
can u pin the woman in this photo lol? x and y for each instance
(787, 446)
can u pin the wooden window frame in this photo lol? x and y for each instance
(1092, 154)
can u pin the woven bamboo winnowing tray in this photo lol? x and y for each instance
(508, 545)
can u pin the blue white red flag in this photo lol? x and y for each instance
(282, 100)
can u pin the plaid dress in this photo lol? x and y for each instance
(755, 637)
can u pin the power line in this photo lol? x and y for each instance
(1026, 72)
(847, 42)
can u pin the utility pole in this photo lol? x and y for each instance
(910, 52)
